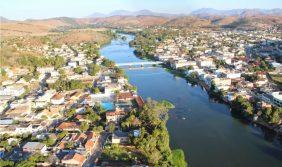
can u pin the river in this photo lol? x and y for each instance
(204, 129)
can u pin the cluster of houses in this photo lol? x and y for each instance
(221, 59)
(32, 108)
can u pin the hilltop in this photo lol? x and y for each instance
(204, 18)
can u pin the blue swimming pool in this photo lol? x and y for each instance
(108, 106)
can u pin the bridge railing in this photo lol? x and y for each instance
(139, 63)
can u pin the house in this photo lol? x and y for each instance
(72, 64)
(44, 70)
(111, 88)
(12, 90)
(115, 116)
(69, 126)
(277, 98)
(49, 113)
(89, 146)
(119, 137)
(221, 83)
(205, 62)
(57, 99)
(18, 112)
(82, 118)
(73, 159)
(232, 75)
(79, 138)
(124, 96)
(34, 147)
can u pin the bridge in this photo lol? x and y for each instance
(142, 64)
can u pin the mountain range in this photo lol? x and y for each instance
(202, 18)
(203, 12)
(133, 13)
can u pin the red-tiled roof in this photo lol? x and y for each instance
(66, 125)
(139, 101)
(89, 145)
(125, 96)
(57, 96)
(116, 112)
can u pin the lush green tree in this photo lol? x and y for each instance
(119, 72)
(178, 158)
(154, 138)
(98, 129)
(7, 163)
(32, 160)
(96, 90)
(70, 113)
(111, 127)
(93, 117)
(62, 85)
(84, 126)
(69, 145)
(108, 63)
(78, 70)
(93, 69)
(241, 107)
(61, 135)
(49, 142)
(272, 115)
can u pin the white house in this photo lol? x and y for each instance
(12, 90)
(57, 99)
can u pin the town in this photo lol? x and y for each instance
(236, 66)
(63, 108)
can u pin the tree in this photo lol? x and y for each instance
(241, 107)
(93, 117)
(119, 72)
(84, 126)
(108, 63)
(111, 127)
(7, 163)
(49, 142)
(96, 90)
(70, 113)
(62, 134)
(69, 145)
(32, 160)
(178, 158)
(93, 69)
(98, 129)
(78, 70)
(154, 138)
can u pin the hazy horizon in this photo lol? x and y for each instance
(33, 9)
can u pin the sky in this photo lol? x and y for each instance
(38, 9)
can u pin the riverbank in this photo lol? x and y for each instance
(208, 129)
(217, 96)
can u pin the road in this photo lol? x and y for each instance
(97, 150)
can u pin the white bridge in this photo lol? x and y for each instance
(144, 63)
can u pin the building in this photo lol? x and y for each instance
(12, 90)
(32, 147)
(57, 99)
(69, 126)
(119, 137)
(125, 96)
(115, 116)
(277, 98)
(73, 159)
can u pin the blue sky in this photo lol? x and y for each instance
(23, 9)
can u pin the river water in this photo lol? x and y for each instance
(204, 129)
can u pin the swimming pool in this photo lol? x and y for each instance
(108, 106)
